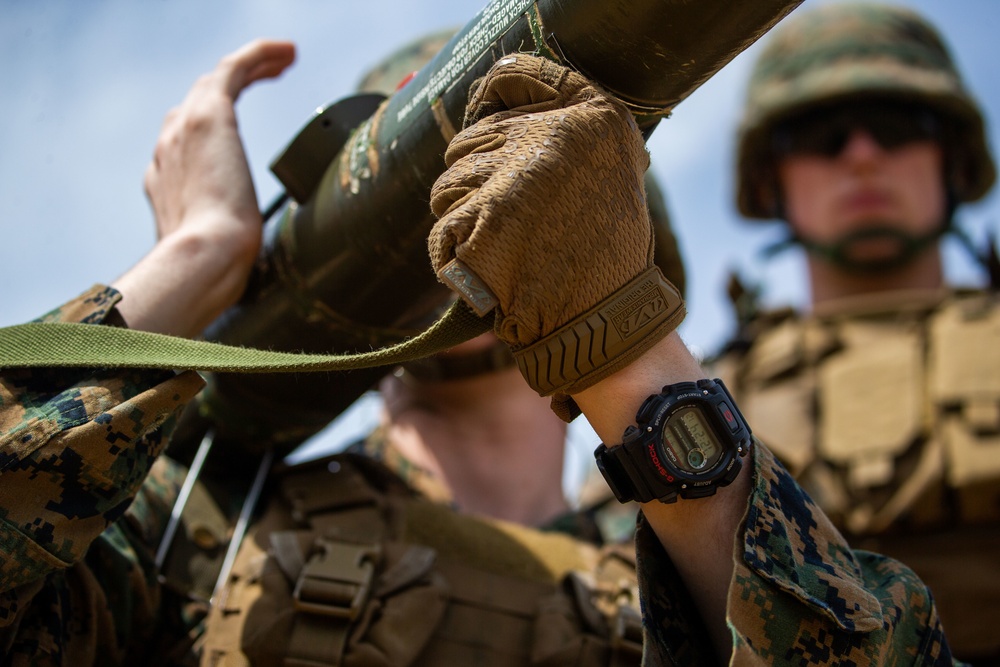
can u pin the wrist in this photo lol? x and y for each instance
(186, 281)
(699, 533)
(610, 404)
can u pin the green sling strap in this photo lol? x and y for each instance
(66, 344)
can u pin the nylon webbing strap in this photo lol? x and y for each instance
(65, 344)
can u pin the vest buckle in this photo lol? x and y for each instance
(337, 580)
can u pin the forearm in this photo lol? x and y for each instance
(697, 534)
(184, 283)
(207, 217)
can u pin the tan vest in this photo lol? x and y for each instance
(887, 410)
(348, 566)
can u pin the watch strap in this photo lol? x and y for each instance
(623, 476)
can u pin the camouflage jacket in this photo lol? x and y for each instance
(79, 524)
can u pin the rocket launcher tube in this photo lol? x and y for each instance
(347, 268)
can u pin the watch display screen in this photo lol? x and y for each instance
(689, 441)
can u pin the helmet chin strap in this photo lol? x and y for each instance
(843, 252)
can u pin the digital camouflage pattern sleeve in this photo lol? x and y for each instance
(77, 585)
(799, 595)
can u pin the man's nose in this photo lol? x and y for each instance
(861, 146)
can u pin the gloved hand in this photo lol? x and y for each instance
(543, 217)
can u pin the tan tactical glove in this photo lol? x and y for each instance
(542, 215)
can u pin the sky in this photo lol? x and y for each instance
(85, 85)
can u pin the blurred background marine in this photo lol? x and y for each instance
(883, 398)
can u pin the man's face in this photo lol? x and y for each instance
(856, 184)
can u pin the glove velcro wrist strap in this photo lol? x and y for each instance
(606, 338)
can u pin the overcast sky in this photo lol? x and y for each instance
(85, 85)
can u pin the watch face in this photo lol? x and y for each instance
(688, 441)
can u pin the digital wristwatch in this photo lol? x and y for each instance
(687, 442)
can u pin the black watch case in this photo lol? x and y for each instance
(687, 442)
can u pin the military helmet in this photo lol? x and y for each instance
(856, 51)
(395, 69)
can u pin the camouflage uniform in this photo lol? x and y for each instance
(885, 407)
(78, 586)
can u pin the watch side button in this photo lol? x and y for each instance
(728, 416)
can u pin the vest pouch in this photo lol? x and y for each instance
(782, 416)
(311, 587)
(409, 604)
(337, 611)
(306, 588)
(776, 388)
(363, 605)
(871, 399)
(965, 390)
(593, 618)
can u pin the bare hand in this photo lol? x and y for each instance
(207, 216)
(199, 174)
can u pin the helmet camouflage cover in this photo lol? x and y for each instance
(395, 69)
(852, 52)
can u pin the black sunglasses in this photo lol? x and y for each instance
(825, 132)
